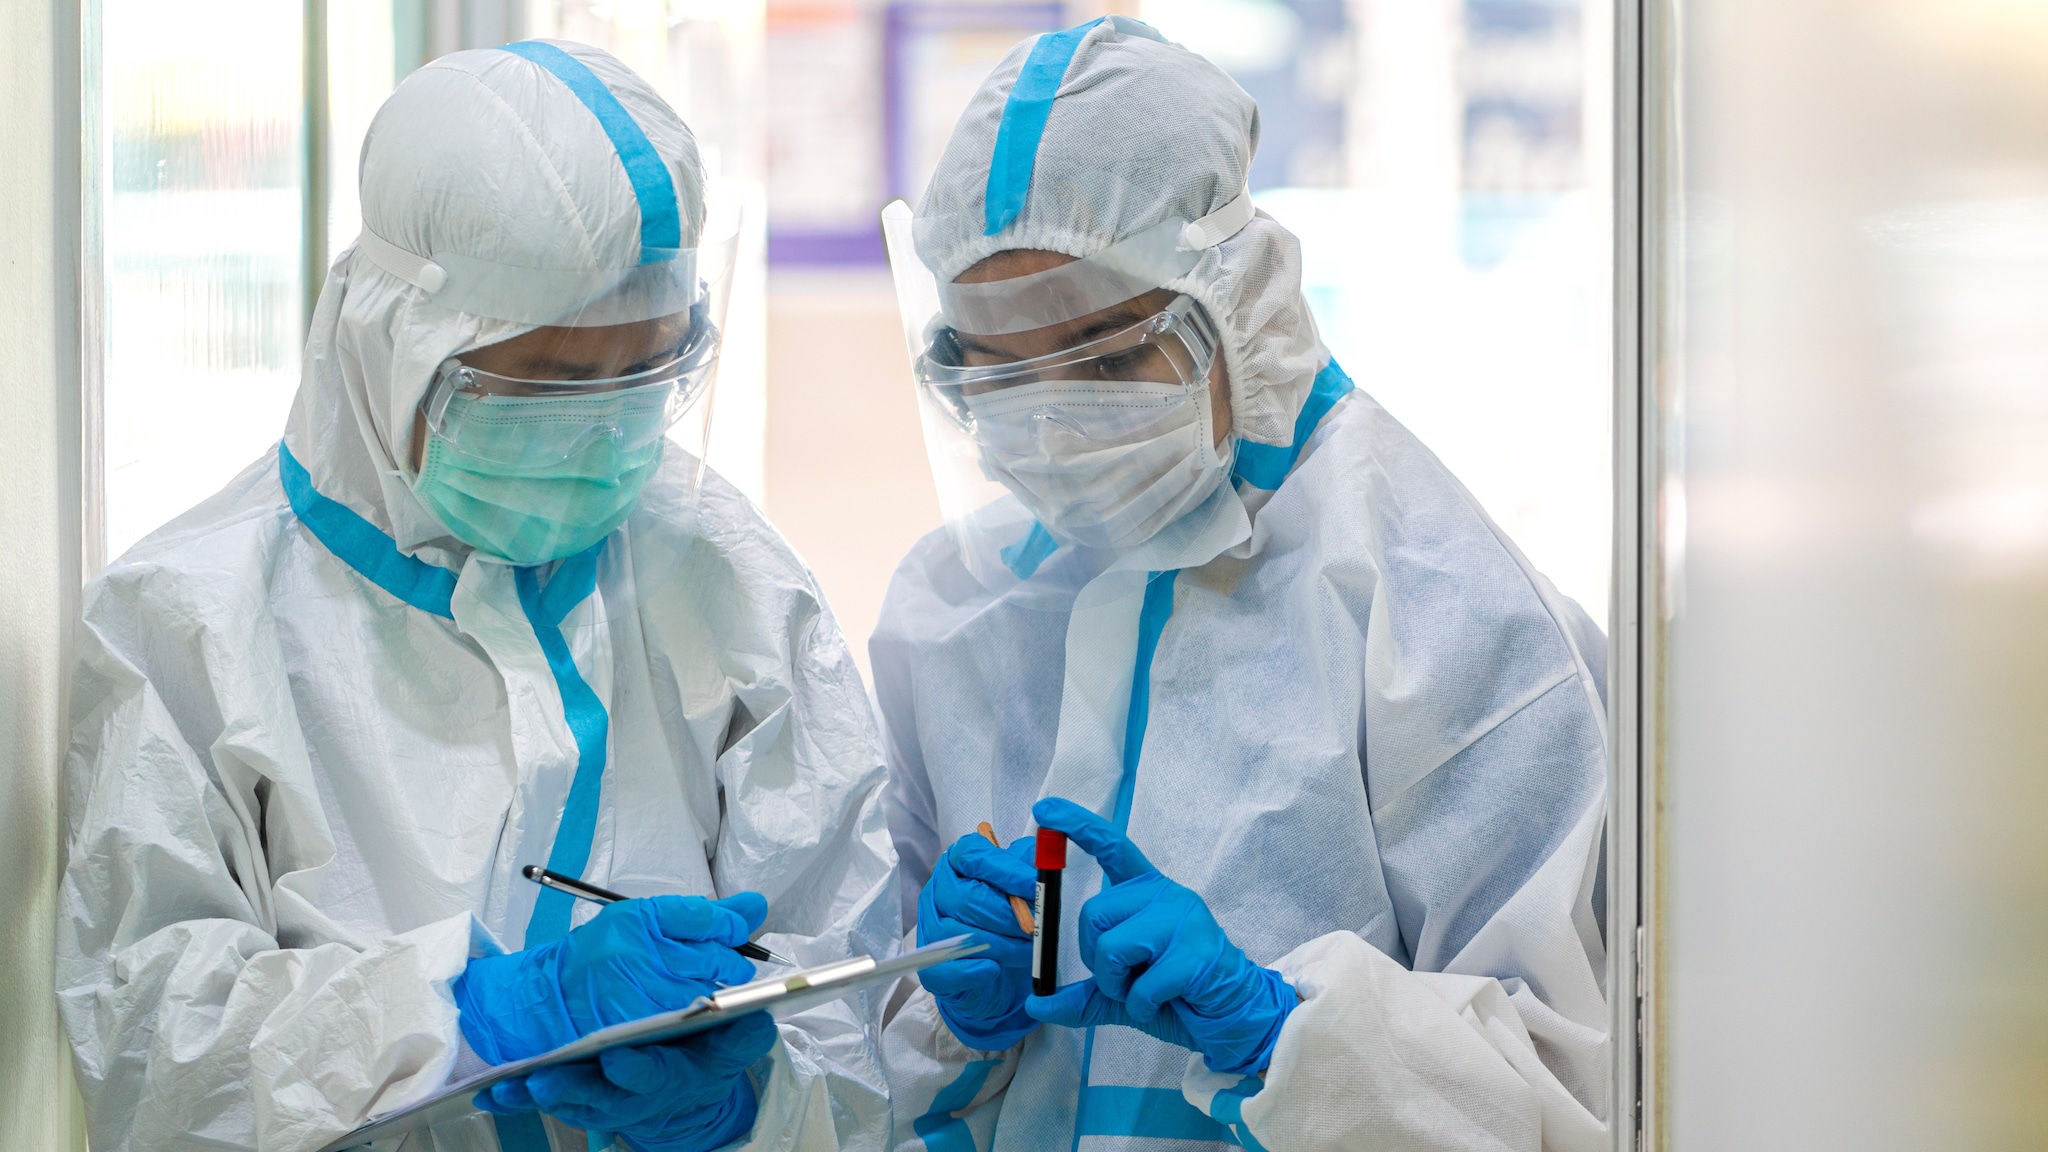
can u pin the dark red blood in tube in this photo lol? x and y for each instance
(1050, 855)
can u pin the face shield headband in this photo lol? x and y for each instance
(1130, 267)
(577, 298)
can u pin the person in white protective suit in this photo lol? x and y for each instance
(1337, 751)
(482, 608)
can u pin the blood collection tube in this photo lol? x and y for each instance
(1051, 858)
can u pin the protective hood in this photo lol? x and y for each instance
(545, 156)
(1116, 131)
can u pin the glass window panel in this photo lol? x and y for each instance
(1435, 158)
(204, 133)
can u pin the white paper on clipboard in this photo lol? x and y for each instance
(781, 996)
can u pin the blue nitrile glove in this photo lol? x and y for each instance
(633, 959)
(982, 996)
(1160, 962)
(688, 1095)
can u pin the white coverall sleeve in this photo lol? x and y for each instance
(804, 826)
(1380, 1057)
(938, 1085)
(192, 1023)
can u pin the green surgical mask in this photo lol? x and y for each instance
(530, 479)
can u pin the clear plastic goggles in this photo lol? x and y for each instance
(1175, 346)
(536, 423)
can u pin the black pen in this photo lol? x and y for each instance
(596, 895)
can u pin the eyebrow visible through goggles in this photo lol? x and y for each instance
(546, 367)
(1109, 320)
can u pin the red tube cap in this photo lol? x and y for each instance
(1051, 853)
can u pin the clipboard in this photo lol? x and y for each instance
(781, 996)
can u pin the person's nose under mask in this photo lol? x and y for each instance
(1103, 465)
(534, 479)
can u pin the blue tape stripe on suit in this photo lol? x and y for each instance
(572, 583)
(940, 1130)
(1161, 1113)
(1228, 1106)
(1152, 617)
(661, 225)
(1266, 466)
(1023, 123)
(1118, 1113)
(357, 543)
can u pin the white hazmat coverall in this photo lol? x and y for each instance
(315, 737)
(1375, 742)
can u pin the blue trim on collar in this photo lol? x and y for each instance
(572, 583)
(359, 544)
(1266, 466)
(1024, 556)
(661, 224)
(1023, 124)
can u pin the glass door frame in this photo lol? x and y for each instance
(1648, 525)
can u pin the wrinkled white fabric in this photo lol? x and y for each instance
(1381, 1057)
(1371, 718)
(1142, 131)
(298, 804)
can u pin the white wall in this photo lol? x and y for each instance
(39, 562)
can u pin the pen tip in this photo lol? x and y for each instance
(531, 871)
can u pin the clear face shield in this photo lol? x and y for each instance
(1067, 406)
(535, 448)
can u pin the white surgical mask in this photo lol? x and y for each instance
(1106, 465)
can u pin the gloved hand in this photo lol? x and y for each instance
(1161, 963)
(633, 959)
(981, 997)
(688, 1095)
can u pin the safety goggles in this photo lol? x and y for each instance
(992, 381)
(1174, 346)
(537, 422)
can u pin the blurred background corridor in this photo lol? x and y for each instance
(1455, 252)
